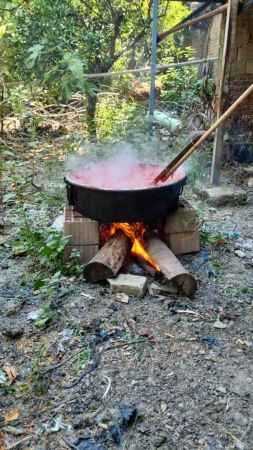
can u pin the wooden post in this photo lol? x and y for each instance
(187, 152)
(219, 134)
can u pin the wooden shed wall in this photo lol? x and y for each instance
(239, 77)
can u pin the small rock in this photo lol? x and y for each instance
(12, 329)
(88, 443)
(239, 445)
(128, 415)
(78, 422)
(222, 195)
(219, 325)
(159, 439)
(221, 389)
(3, 239)
(242, 384)
(247, 170)
(246, 244)
(58, 223)
(116, 434)
(240, 253)
(239, 419)
(13, 307)
(250, 182)
(34, 315)
(121, 297)
(163, 406)
(157, 289)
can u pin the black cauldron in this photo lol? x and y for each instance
(135, 205)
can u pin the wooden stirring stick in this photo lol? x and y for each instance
(192, 146)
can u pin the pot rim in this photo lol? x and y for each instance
(127, 191)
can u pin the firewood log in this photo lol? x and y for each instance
(110, 258)
(171, 267)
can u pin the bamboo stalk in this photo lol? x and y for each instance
(191, 22)
(178, 161)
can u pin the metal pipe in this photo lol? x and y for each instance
(160, 68)
(153, 70)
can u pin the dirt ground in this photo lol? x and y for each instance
(160, 372)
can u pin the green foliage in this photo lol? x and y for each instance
(46, 316)
(216, 240)
(81, 360)
(117, 117)
(53, 43)
(46, 247)
(37, 379)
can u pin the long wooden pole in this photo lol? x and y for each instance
(218, 141)
(178, 161)
(153, 68)
(191, 22)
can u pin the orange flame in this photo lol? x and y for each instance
(135, 232)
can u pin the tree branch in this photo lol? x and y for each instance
(131, 45)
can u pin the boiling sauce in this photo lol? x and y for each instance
(109, 177)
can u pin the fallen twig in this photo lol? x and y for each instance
(189, 312)
(125, 344)
(56, 366)
(18, 443)
(3, 142)
(91, 369)
(108, 387)
(69, 444)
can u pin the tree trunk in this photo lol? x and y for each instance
(91, 115)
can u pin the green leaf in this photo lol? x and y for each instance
(34, 54)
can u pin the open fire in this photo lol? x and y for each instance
(136, 233)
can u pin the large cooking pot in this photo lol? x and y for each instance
(135, 205)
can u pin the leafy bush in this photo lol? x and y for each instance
(117, 117)
(47, 249)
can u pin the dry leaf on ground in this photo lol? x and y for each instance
(2, 441)
(12, 415)
(11, 373)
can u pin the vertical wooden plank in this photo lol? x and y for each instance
(218, 141)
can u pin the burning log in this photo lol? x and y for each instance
(171, 267)
(110, 258)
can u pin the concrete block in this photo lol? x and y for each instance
(84, 234)
(250, 182)
(242, 53)
(183, 220)
(221, 195)
(247, 170)
(183, 243)
(129, 284)
(249, 66)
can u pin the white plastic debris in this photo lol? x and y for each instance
(173, 124)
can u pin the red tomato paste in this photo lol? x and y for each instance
(135, 176)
